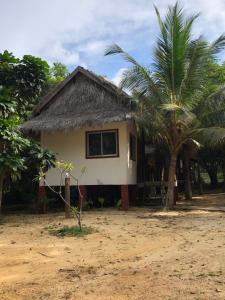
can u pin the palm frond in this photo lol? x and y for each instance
(115, 49)
(194, 66)
(171, 107)
(140, 79)
(217, 45)
(172, 48)
(211, 136)
(212, 109)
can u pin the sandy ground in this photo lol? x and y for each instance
(135, 255)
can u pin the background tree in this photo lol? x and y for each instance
(22, 82)
(58, 72)
(23, 79)
(209, 157)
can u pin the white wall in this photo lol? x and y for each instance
(131, 165)
(69, 146)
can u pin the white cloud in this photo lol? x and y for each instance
(56, 52)
(118, 76)
(77, 32)
(93, 47)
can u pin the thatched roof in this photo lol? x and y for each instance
(82, 99)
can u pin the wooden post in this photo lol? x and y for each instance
(41, 206)
(125, 197)
(67, 196)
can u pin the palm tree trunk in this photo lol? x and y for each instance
(171, 181)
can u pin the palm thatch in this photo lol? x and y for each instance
(83, 99)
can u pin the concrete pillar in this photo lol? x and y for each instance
(125, 197)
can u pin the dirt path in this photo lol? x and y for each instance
(134, 255)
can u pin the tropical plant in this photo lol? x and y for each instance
(65, 171)
(173, 88)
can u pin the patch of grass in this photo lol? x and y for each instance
(71, 231)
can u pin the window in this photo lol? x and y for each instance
(102, 144)
(132, 147)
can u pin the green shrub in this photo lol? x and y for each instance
(71, 231)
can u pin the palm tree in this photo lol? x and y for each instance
(173, 88)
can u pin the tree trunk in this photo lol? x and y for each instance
(200, 182)
(187, 178)
(142, 155)
(171, 181)
(223, 169)
(67, 197)
(213, 177)
(1, 191)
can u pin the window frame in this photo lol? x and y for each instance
(133, 156)
(87, 133)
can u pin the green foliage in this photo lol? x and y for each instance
(64, 166)
(12, 144)
(39, 156)
(25, 79)
(58, 73)
(71, 231)
(7, 104)
(17, 153)
(74, 211)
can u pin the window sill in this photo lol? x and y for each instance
(102, 156)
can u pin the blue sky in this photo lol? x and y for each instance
(76, 32)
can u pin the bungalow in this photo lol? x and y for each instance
(86, 120)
